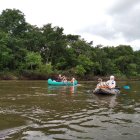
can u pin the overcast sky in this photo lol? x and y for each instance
(106, 22)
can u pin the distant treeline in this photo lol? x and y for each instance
(26, 49)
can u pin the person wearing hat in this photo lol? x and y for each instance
(111, 83)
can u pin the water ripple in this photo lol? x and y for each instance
(31, 110)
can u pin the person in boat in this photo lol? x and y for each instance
(59, 78)
(72, 80)
(111, 83)
(101, 84)
(64, 79)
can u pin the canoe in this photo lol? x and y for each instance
(55, 83)
(106, 91)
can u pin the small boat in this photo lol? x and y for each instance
(55, 83)
(106, 91)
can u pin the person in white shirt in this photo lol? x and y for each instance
(111, 83)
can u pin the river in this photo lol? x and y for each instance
(32, 110)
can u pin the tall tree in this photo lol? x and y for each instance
(12, 21)
(54, 44)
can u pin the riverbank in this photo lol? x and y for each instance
(40, 76)
(23, 76)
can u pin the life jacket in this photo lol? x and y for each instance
(103, 85)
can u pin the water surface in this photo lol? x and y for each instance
(32, 110)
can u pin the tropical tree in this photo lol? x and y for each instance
(33, 61)
(6, 55)
(12, 21)
(54, 47)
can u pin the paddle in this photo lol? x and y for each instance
(126, 87)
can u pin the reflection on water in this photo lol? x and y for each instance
(62, 89)
(32, 110)
(108, 100)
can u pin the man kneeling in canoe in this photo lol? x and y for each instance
(109, 84)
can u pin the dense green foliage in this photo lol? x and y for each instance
(24, 47)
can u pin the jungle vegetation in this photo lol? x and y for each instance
(26, 49)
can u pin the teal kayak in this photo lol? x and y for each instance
(68, 83)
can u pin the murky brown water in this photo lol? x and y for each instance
(32, 110)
